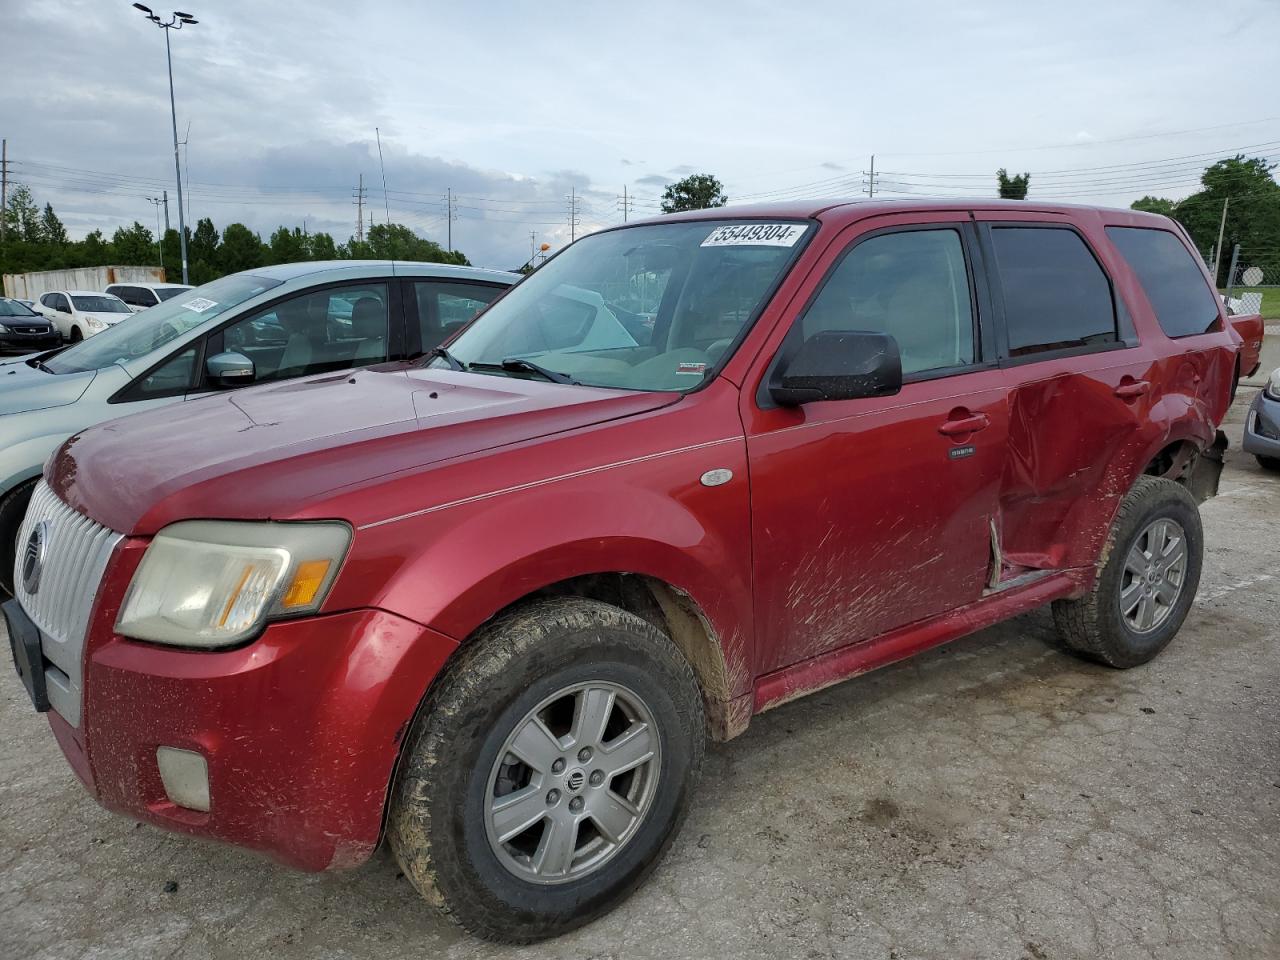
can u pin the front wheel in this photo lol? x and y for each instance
(549, 769)
(1146, 587)
(76, 335)
(1269, 463)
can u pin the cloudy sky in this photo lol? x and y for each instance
(512, 105)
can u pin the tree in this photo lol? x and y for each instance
(1012, 188)
(395, 241)
(1253, 213)
(1154, 205)
(51, 227)
(697, 191)
(288, 246)
(134, 245)
(323, 247)
(241, 249)
(94, 249)
(22, 216)
(203, 244)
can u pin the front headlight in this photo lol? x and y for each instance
(93, 323)
(213, 583)
(1272, 388)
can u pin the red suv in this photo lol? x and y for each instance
(490, 603)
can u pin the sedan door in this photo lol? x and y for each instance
(871, 514)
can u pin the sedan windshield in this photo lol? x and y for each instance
(103, 304)
(12, 308)
(652, 307)
(157, 326)
(168, 293)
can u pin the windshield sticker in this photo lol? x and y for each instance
(697, 369)
(756, 234)
(200, 304)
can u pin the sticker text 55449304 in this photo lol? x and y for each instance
(756, 234)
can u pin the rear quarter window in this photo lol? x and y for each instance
(1172, 280)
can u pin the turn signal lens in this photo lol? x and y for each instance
(307, 580)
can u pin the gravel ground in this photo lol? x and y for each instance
(996, 798)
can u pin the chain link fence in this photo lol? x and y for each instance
(1252, 282)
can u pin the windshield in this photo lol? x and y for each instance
(155, 327)
(12, 308)
(653, 307)
(168, 293)
(102, 304)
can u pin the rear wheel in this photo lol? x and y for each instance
(549, 770)
(1269, 463)
(13, 507)
(1147, 584)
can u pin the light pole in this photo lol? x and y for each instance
(159, 236)
(176, 22)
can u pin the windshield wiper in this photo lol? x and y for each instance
(520, 363)
(447, 357)
(512, 364)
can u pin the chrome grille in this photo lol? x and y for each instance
(68, 558)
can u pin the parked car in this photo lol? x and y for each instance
(140, 296)
(261, 326)
(495, 600)
(1262, 424)
(22, 330)
(78, 314)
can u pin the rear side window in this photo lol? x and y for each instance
(1171, 278)
(1056, 296)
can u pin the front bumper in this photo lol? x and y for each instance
(20, 343)
(300, 731)
(1262, 427)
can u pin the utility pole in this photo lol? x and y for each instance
(625, 203)
(573, 214)
(166, 211)
(4, 190)
(1231, 272)
(450, 216)
(359, 202)
(1222, 226)
(870, 181)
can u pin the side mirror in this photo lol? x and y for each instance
(839, 365)
(230, 369)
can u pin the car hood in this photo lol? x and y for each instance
(23, 388)
(268, 452)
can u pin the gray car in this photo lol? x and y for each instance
(1262, 425)
(259, 326)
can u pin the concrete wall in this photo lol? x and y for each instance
(28, 286)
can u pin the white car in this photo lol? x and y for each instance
(139, 296)
(79, 314)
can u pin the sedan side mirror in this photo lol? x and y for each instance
(839, 365)
(230, 369)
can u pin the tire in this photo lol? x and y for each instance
(76, 335)
(1097, 625)
(13, 507)
(457, 762)
(1269, 463)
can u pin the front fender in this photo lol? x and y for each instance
(454, 569)
(25, 459)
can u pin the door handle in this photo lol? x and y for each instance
(1133, 390)
(970, 424)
